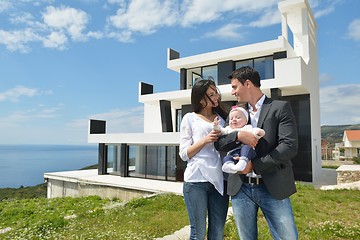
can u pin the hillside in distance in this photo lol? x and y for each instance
(334, 133)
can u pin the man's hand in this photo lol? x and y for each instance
(247, 138)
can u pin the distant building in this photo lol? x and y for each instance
(288, 66)
(326, 150)
(349, 147)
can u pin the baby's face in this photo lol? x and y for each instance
(237, 119)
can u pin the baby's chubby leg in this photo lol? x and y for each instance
(228, 164)
(240, 165)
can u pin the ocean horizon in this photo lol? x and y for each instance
(25, 164)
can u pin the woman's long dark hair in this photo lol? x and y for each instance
(198, 92)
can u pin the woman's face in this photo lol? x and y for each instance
(211, 99)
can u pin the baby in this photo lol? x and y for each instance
(238, 118)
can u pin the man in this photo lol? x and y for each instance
(268, 180)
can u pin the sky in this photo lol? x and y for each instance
(65, 62)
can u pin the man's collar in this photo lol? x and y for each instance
(258, 104)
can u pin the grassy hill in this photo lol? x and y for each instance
(334, 134)
(38, 191)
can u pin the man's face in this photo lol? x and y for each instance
(238, 90)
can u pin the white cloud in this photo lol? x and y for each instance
(199, 11)
(145, 16)
(60, 24)
(56, 40)
(4, 5)
(354, 30)
(324, 7)
(17, 40)
(49, 112)
(117, 2)
(339, 104)
(325, 78)
(325, 11)
(117, 121)
(96, 35)
(16, 93)
(71, 20)
(229, 31)
(122, 120)
(17, 118)
(124, 36)
(270, 17)
(34, 125)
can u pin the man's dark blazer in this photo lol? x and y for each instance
(274, 151)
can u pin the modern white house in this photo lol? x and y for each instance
(288, 67)
(349, 147)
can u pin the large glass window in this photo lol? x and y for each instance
(264, 65)
(195, 76)
(112, 159)
(131, 159)
(244, 63)
(201, 72)
(137, 161)
(178, 119)
(210, 71)
(155, 162)
(171, 163)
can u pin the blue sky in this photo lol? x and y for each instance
(63, 62)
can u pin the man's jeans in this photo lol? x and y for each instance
(278, 213)
(200, 198)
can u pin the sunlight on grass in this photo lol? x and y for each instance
(318, 215)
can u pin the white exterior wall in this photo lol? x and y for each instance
(354, 144)
(153, 122)
(297, 15)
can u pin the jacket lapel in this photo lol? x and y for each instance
(264, 111)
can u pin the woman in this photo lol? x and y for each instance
(203, 178)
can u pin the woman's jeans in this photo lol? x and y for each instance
(278, 213)
(201, 198)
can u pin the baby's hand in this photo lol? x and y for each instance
(260, 133)
(216, 126)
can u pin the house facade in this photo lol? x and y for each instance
(288, 67)
(326, 150)
(349, 147)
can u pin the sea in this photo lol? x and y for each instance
(25, 165)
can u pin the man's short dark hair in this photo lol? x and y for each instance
(246, 73)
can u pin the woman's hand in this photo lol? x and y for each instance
(212, 136)
(197, 146)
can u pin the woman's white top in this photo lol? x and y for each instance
(205, 165)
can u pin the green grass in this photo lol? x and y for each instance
(92, 218)
(318, 215)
